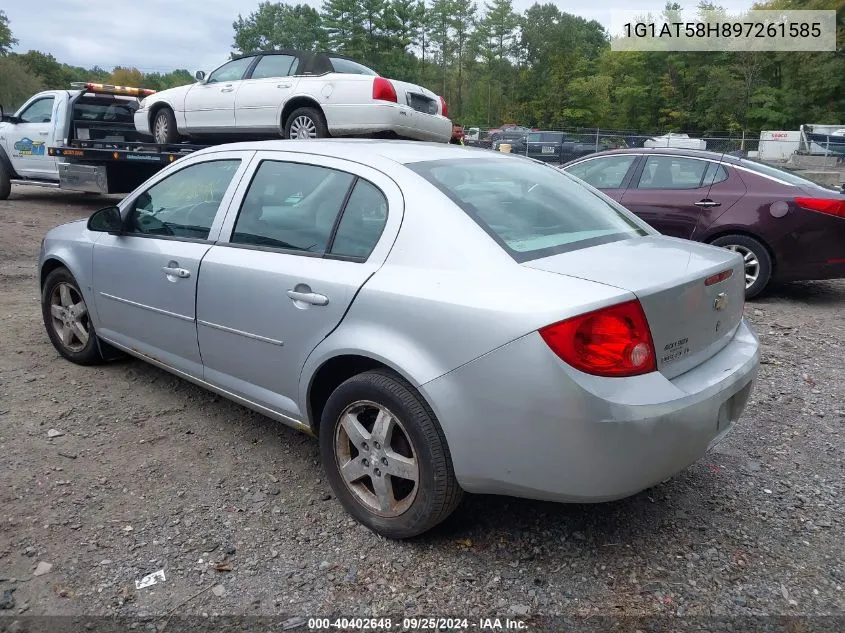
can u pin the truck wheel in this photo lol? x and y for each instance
(5, 182)
(306, 123)
(758, 263)
(164, 127)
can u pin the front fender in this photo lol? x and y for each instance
(77, 256)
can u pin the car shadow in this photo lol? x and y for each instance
(808, 292)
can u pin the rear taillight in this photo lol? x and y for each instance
(718, 277)
(823, 205)
(444, 109)
(614, 341)
(383, 90)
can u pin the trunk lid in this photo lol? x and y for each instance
(419, 98)
(689, 320)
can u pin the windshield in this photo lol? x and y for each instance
(775, 172)
(531, 210)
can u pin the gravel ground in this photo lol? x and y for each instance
(114, 472)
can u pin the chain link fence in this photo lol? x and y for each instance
(788, 149)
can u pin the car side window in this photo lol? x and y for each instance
(603, 173)
(185, 203)
(291, 206)
(274, 66)
(40, 111)
(361, 226)
(232, 71)
(715, 173)
(672, 172)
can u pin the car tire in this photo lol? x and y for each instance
(758, 262)
(164, 127)
(358, 465)
(60, 308)
(306, 121)
(5, 182)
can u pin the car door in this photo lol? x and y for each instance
(258, 105)
(26, 142)
(307, 234)
(671, 192)
(210, 104)
(610, 174)
(145, 278)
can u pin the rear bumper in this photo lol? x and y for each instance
(547, 431)
(372, 118)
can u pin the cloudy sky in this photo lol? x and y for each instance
(161, 35)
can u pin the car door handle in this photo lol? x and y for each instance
(707, 203)
(43, 133)
(226, 89)
(309, 297)
(282, 85)
(171, 271)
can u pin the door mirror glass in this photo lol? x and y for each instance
(106, 220)
(200, 75)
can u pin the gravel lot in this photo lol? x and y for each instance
(148, 472)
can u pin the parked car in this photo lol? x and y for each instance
(295, 94)
(516, 139)
(442, 319)
(555, 147)
(786, 227)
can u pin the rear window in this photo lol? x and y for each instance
(105, 110)
(349, 67)
(530, 209)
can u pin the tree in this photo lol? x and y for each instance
(18, 83)
(275, 25)
(342, 20)
(6, 39)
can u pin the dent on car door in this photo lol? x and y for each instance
(145, 279)
(610, 174)
(306, 237)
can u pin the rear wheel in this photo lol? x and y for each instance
(385, 456)
(5, 182)
(67, 319)
(164, 127)
(758, 262)
(305, 123)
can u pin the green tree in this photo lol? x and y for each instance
(275, 25)
(18, 83)
(6, 39)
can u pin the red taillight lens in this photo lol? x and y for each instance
(383, 90)
(443, 107)
(613, 341)
(823, 205)
(718, 277)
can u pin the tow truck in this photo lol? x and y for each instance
(83, 139)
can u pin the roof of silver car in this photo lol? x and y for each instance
(402, 152)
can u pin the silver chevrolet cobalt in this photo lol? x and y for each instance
(443, 319)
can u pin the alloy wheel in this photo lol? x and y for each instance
(752, 263)
(376, 458)
(303, 127)
(70, 318)
(161, 129)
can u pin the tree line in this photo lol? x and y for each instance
(542, 67)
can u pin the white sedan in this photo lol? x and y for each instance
(294, 94)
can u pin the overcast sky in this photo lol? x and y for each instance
(162, 35)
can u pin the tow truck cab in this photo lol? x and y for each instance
(40, 144)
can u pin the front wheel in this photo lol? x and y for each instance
(385, 456)
(305, 123)
(67, 319)
(758, 263)
(164, 127)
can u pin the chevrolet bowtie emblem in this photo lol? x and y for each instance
(721, 301)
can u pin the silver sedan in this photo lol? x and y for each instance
(442, 319)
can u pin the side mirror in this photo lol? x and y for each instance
(106, 220)
(200, 75)
(8, 118)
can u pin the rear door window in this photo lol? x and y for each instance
(672, 172)
(274, 66)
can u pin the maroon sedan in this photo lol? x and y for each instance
(786, 227)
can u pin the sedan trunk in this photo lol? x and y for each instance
(690, 315)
